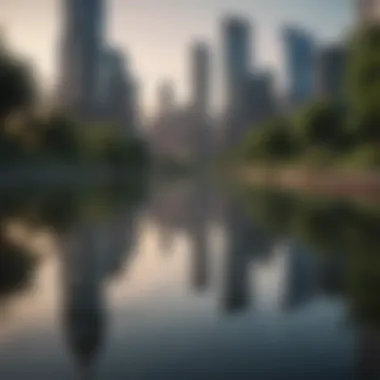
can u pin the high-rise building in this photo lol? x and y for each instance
(83, 30)
(200, 78)
(236, 41)
(261, 98)
(300, 53)
(368, 10)
(166, 98)
(331, 72)
(199, 127)
(117, 91)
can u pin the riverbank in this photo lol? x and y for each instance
(335, 183)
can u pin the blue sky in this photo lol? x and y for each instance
(156, 33)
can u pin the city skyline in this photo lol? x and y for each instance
(131, 24)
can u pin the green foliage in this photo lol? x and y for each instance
(118, 152)
(364, 83)
(364, 70)
(16, 267)
(271, 141)
(325, 133)
(365, 156)
(17, 89)
(60, 139)
(333, 230)
(322, 125)
(55, 138)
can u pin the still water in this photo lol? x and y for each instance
(187, 281)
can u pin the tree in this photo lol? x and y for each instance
(60, 139)
(322, 125)
(17, 88)
(364, 83)
(274, 140)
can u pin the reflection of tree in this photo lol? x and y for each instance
(95, 229)
(273, 211)
(368, 354)
(16, 267)
(345, 237)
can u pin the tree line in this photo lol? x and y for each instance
(344, 133)
(31, 137)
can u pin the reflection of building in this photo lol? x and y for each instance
(331, 72)
(121, 236)
(80, 55)
(91, 253)
(83, 297)
(300, 60)
(199, 260)
(330, 278)
(197, 228)
(235, 296)
(302, 277)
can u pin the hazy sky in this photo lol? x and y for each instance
(156, 33)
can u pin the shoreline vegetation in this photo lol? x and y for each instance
(330, 146)
(38, 138)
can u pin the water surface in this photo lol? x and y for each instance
(187, 281)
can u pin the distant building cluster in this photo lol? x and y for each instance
(312, 71)
(95, 83)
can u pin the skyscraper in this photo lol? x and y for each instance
(331, 71)
(117, 91)
(236, 41)
(261, 98)
(83, 30)
(200, 77)
(166, 98)
(300, 60)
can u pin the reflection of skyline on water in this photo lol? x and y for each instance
(256, 269)
(194, 209)
(92, 252)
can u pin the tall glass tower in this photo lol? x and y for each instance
(300, 54)
(236, 41)
(200, 77)
(83, 30)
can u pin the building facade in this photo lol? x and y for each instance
(82, 39)
(117, 92)
(200, 78)
(300, 54)
(236, 42)
(331, 72)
